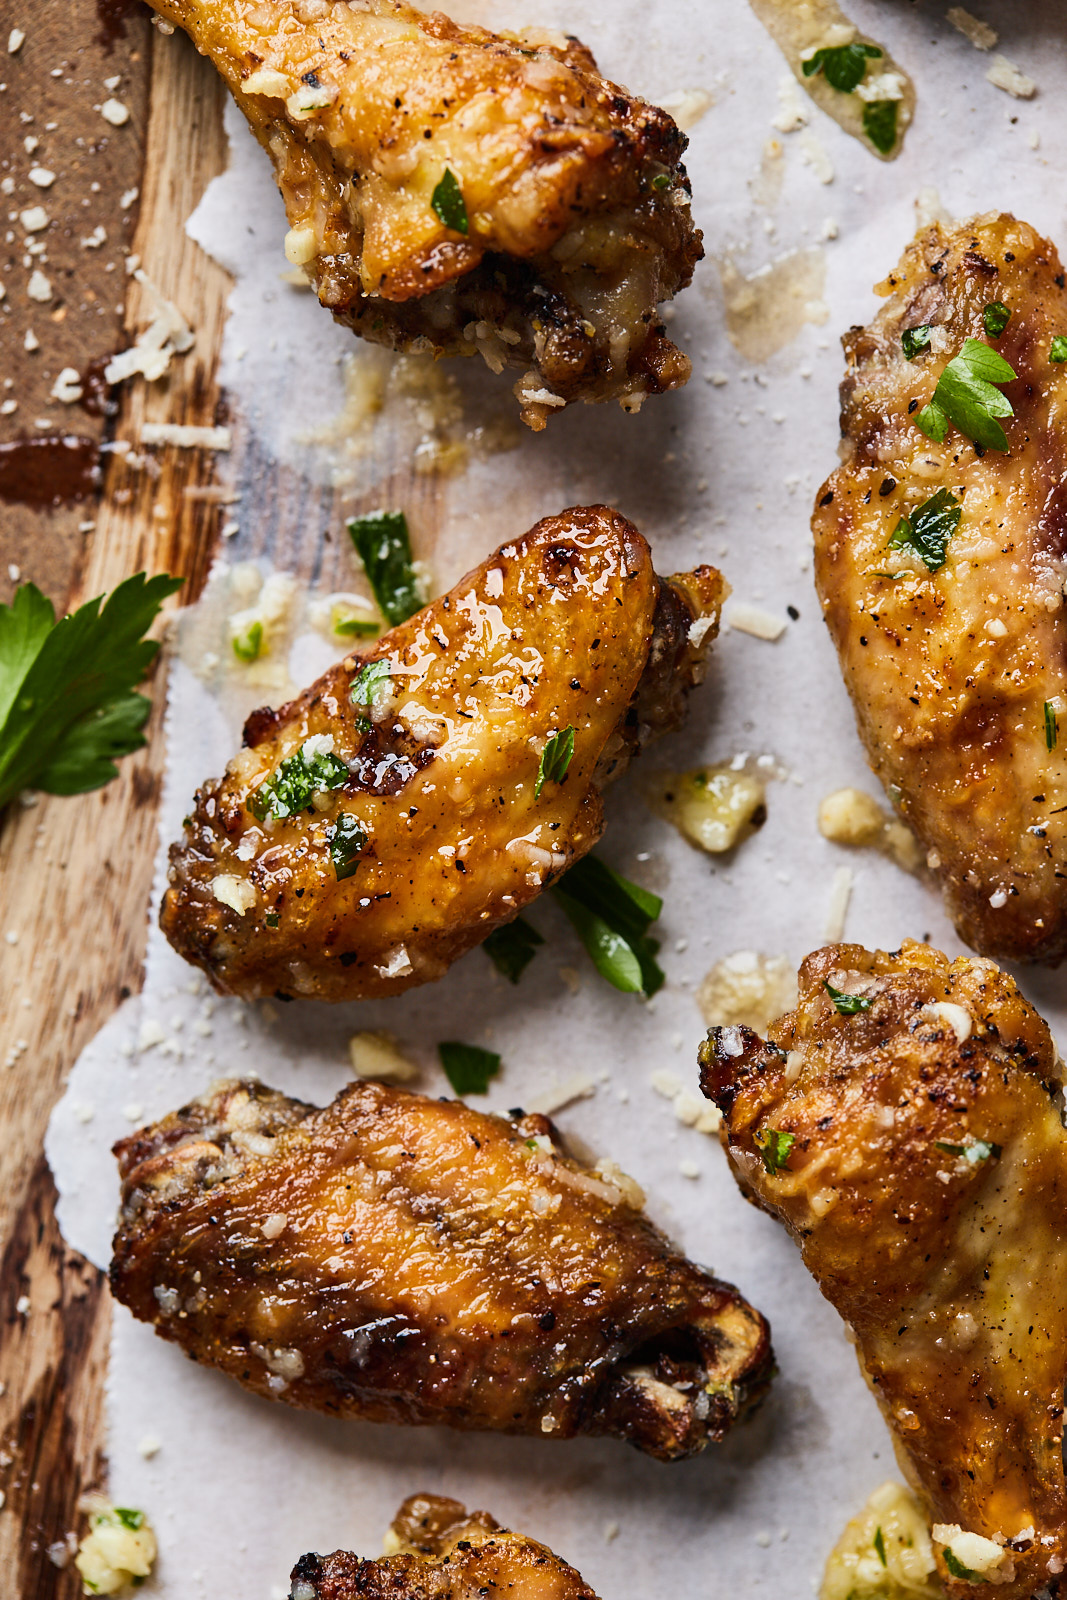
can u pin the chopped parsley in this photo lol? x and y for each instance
(346, 840)
(247, 645)
(512, 948)
(67, 706)
(370, 684)
(661, 180)
(966, 396)
(290, 788)
(914, 340)
(847, 1004)
(973, 1151)
(880, 124)
(272, 919)
(995, 318)
(611, 917)
(958, 1570)
(1058, 348)
(356, 628)
(383, 543)
(775, 1147)
(844, 66)
(555, 759)
(879, 1546)
(130, 1519)
(928, 529)
(449, 204)
(468, 1067)
(1052, 726)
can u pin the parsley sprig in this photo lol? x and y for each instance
(468, 1068)
(67, 706)
(967, 397)
(612, 916)
(847, 1005)
(928, 529)
(512, 947)
(844, 66)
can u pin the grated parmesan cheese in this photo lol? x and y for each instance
(747, 989)
(168, 334)
(237, 893)
(376, 1055)
(118, 1550)
(904, 1568)
(1004, 74)
(837, 911)
(578, 1087)
(980, 34)
(115, 112)
(184, 436)
(745, 618)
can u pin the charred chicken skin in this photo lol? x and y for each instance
(957, 674)
(907, 1132)
(437, 1550)
(458, 191)
(403, 1259)
(386, 821)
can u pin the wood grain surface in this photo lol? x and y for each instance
(75, 874)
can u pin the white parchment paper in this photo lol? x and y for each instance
(237, 1487)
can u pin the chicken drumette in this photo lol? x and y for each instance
(403, 1259)
(458, 191)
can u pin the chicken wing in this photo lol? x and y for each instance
(403, 1259)
(904, 1123)
(460, 191)
(386, 821)
(437, 1550)
(956, 662)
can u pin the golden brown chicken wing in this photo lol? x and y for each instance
(403, 1259)
(460, 191)
(950, 624)
(386, 821)
(437, 1550)
(903, 1123)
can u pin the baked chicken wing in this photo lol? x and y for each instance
(903, 1122)
(950, 625)
(403, 1259)
(386, 821)
(437, 1550)
(460, 191)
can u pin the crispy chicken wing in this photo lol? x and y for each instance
(355, 849)
(907, 1131)
(403, 1259)
(455, 190)
(437, 1550)
(956, 673)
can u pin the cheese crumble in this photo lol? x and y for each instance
(118, 1550)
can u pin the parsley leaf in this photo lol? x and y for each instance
(775, 1147)
(449, 204)
(290, 787)
(1057, 350)
(383, 543)
(929, 528)
(512, 947)
(914, 340)
(356, 628)
(958, 1570)
(880, 124)
(611, 917)
(468, 1067)
(67, 710)
(555, 759)
(129, 1519)
(370, 686)
(346, 839)
(1052, 726)
(995, 318)
(965, 396)
(843, 65)
(247, 645)
(847, 1004)
(973, 1151)
(879, 1546)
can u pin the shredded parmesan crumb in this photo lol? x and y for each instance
(1004, 74)
(185, 437)
(168, 334)
(578, 1087)
(235, 892)
(837, 911)
(980, 34)
(747, 989)
(119, 1548)
(115, 112)
(745, 618)
(376, 1055)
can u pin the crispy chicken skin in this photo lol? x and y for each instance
(403, 1259)
(949, 671)
(926, 1186)
(437, 1550)
(573, 192)
(567, 627)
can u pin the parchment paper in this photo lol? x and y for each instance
(724, 471)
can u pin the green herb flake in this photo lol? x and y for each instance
(775, 1147)
(512, 948)
(371, 684)
(958, 1570)
(449, 204)
(130, 1519)
(966, 396)
(995, 318)
(844, 66)
(383, 543)
(848, 1005)
(973, 1151)
(879, 1546)
(468, 1067)
(290, 787)
(272, 919)
(661, 180)
(555, 759)
(356, 628)
(611, 917)
(1052, 726)
(880, 124)
(346, 839)
(928, 529)
(247, 645)
(1058, 348)
(914, 340)
(67, 710)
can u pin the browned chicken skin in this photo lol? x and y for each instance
(915, 1151)
(567, 627)
(437, 1550)
(950, 671)
(403, 1259)
(574, 220)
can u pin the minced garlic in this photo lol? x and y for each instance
(885, 1553)
(851, 817)
(747, 989)
(119, 1548)
(715, 808)
(375, 1055)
